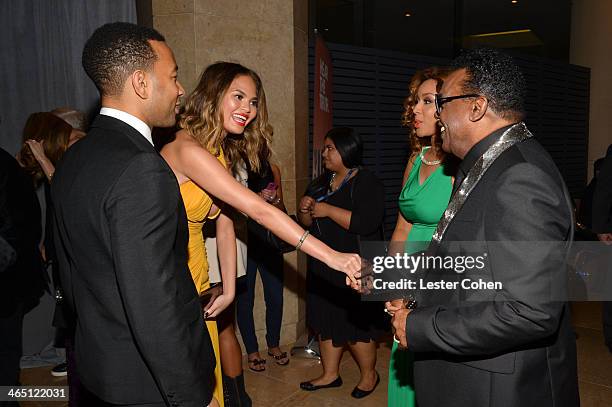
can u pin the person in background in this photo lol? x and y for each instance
(584, 214)
(269, 261)
(46, 140)
(602, 225)
(342, 207)
(427, 187)
(22, 282)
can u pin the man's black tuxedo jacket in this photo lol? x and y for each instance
(512, 347)
(121, 237)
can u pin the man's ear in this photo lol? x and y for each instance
(140, 84)
(478, 108)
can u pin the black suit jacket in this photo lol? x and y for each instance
(510, 347)
(121, 238)
(24, 280)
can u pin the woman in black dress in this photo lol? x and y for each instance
(342, 207)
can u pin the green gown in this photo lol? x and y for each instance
(423, 206)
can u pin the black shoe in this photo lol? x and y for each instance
(359, 394)
(60, 370)
(308, 386)
(234, 393)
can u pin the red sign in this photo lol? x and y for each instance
(323, 120)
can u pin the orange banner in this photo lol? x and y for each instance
(323, 118)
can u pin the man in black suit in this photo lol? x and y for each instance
(121, 235)
(601, 223)
(22, 281)
(501, 346)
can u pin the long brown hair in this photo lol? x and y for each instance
(203, 118)
(416, 144)
(53, 131)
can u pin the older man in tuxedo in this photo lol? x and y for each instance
(121, 234)
(509, 346)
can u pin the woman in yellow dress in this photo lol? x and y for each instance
(229, 100)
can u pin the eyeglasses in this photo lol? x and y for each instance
(440, 101)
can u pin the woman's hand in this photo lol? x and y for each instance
(349, 264)
(217, 305)
(306, 204)
(37, 149)
(38, 152)
(319, 210)
(269, 195)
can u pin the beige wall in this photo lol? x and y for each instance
(271, 37)
(591, 46)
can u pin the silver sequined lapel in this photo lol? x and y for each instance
(513, 135)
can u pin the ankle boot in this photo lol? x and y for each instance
(234, 393)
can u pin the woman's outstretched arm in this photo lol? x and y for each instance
(204, 169)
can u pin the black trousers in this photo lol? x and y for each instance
(11, 328)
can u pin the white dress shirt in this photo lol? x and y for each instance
(130, 120)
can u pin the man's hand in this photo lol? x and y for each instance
(391, 307)
(606, 238)
(399, 327)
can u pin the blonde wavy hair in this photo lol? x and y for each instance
(416, 144)
(203, 117)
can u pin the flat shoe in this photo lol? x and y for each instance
(308, 386)
(359, 394)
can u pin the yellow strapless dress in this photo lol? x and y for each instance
(197, 206)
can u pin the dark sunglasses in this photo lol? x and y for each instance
(440, 101)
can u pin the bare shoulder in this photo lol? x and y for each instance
(176, 152)
(185, 145)
(409, 165)
(185, 140)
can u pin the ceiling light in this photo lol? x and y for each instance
(407, 14)
(514, 1)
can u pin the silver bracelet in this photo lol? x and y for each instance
(304, 236)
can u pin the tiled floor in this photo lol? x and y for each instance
(279, 385)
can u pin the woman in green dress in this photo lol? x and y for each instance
(426, 191)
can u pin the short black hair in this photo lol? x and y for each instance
(496, 76)
(349, 145)
(116, 50)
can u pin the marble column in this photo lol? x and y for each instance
(270, 37)
(590, 47)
